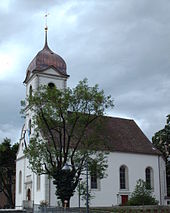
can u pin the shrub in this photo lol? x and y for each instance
(43, 203)
(141, 195)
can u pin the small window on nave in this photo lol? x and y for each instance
(94, 182)
(123, 172)
(149, 178)
(94, 179)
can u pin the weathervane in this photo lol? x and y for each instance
(46, 16)
(46, 28)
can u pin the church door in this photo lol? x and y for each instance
(124, 199)
(29, 194)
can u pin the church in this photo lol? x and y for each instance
(131, 155)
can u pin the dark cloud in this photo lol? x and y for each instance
(10, 97)
(122, 45)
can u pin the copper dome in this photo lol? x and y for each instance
(45, 59)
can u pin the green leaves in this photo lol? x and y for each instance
(7, 168)
(141, 195)
(7, 150)
(82, 191)
(66, 126)
(161, 139)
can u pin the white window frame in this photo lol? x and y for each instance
(151, 177)
(126, 174)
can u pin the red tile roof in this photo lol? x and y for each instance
(123, 135)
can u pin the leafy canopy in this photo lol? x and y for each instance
(7, 169)
(161, 139)
(66, 125)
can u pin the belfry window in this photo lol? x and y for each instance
(51, 85)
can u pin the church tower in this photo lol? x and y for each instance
(46, 68)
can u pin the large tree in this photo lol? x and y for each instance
(7, 170)
(161, 140)
(66, 126)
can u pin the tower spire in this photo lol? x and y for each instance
(46, 29)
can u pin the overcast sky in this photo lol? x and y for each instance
(123, 45)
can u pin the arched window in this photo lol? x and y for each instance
(94, 180)
(149, 177)
(30, 91)
(20, 181)
(29, 126)
(38, 182)
(51, 85)
(123, 172)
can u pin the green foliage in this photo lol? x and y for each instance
(161, 141)
(43, 203)
(64, 180)
(66, 126)
(82, 190)
(7, 169)
(141, 195)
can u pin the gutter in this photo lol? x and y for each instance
(160, 189)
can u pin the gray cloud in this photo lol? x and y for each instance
(123, 46)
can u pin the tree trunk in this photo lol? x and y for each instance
(66, 203)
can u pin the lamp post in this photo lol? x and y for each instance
(79, 190)
(87, 189)
(66, 168)
(87, 186)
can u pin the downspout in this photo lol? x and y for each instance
(160, 189)
(23, 184)
(33, 191)
(49, 192)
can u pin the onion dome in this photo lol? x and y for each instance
(45, 59)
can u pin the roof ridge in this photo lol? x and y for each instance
(111, 117)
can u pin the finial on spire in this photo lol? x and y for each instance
(46, 28)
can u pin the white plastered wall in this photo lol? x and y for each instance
(29, 179)
(109, 192)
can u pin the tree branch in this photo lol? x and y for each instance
(82, 134)
(46, 123)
